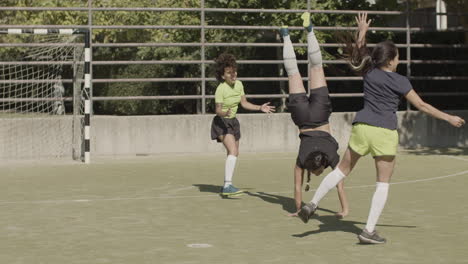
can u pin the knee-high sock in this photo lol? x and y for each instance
(378, 203)
(330, 181)
(313, 50)
(289, 57)
(229, 169)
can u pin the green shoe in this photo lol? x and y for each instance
(306, 21)
(231, 190)
(284, 31)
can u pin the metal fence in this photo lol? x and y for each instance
(202, 45)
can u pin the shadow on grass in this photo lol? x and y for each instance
(217, 190)
(209, 188)
(329, 223)
(287, 203)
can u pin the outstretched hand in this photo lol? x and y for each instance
(266, 108)
(456, 121)
(362, 22)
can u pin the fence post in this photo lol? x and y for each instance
(408, 48)
(308, 62)
(202, 36)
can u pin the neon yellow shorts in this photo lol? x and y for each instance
(376, 140)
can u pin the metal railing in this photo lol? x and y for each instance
(202, 45)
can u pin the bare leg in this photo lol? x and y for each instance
(295, 84)
(230, 143)
(343, 200)
(385, 166)
(317, 77)
(349, 160)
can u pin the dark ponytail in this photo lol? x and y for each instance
(361, 60)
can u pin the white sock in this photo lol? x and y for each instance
(229, 169)
(313, 50)
(378, 202)
(329, 182)
(289, 57)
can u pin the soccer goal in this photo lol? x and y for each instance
(44, 94)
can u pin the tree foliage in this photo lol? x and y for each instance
(151, 18)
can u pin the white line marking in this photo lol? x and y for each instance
(454, 157)
(181, 189)
(199, 245)
(211, 195)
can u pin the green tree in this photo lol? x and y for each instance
(190, 36)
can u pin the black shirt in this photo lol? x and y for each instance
(312, 141)
(382, 93)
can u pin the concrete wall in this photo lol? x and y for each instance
(133, 135)
(31, 138)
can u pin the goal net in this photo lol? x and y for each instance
(41, 95)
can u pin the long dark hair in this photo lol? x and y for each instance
(361, 60)
(223, 61)
(314, 161)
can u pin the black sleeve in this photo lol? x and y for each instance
(298, 163)
(334, 160)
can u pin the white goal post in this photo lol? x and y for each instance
(45, 80)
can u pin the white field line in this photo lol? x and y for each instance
(165, 196)
(454, 157)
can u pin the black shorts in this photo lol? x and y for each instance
(310, 111)
(222, 126)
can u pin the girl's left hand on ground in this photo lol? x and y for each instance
(293, 214)
(266, 108)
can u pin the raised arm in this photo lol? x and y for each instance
(415, 100)
(363, 26)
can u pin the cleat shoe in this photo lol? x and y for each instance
(306, 21)
(230, 190)
(307, 211)
(370, 238)
(284, 31)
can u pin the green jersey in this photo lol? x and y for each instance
(229, 96)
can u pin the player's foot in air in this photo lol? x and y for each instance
(306, 23)
(284, 31)
(230, 190)
(307, 211)
(370, 238)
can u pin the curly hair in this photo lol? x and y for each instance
(223, 61)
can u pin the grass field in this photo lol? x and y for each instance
(166, 209)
